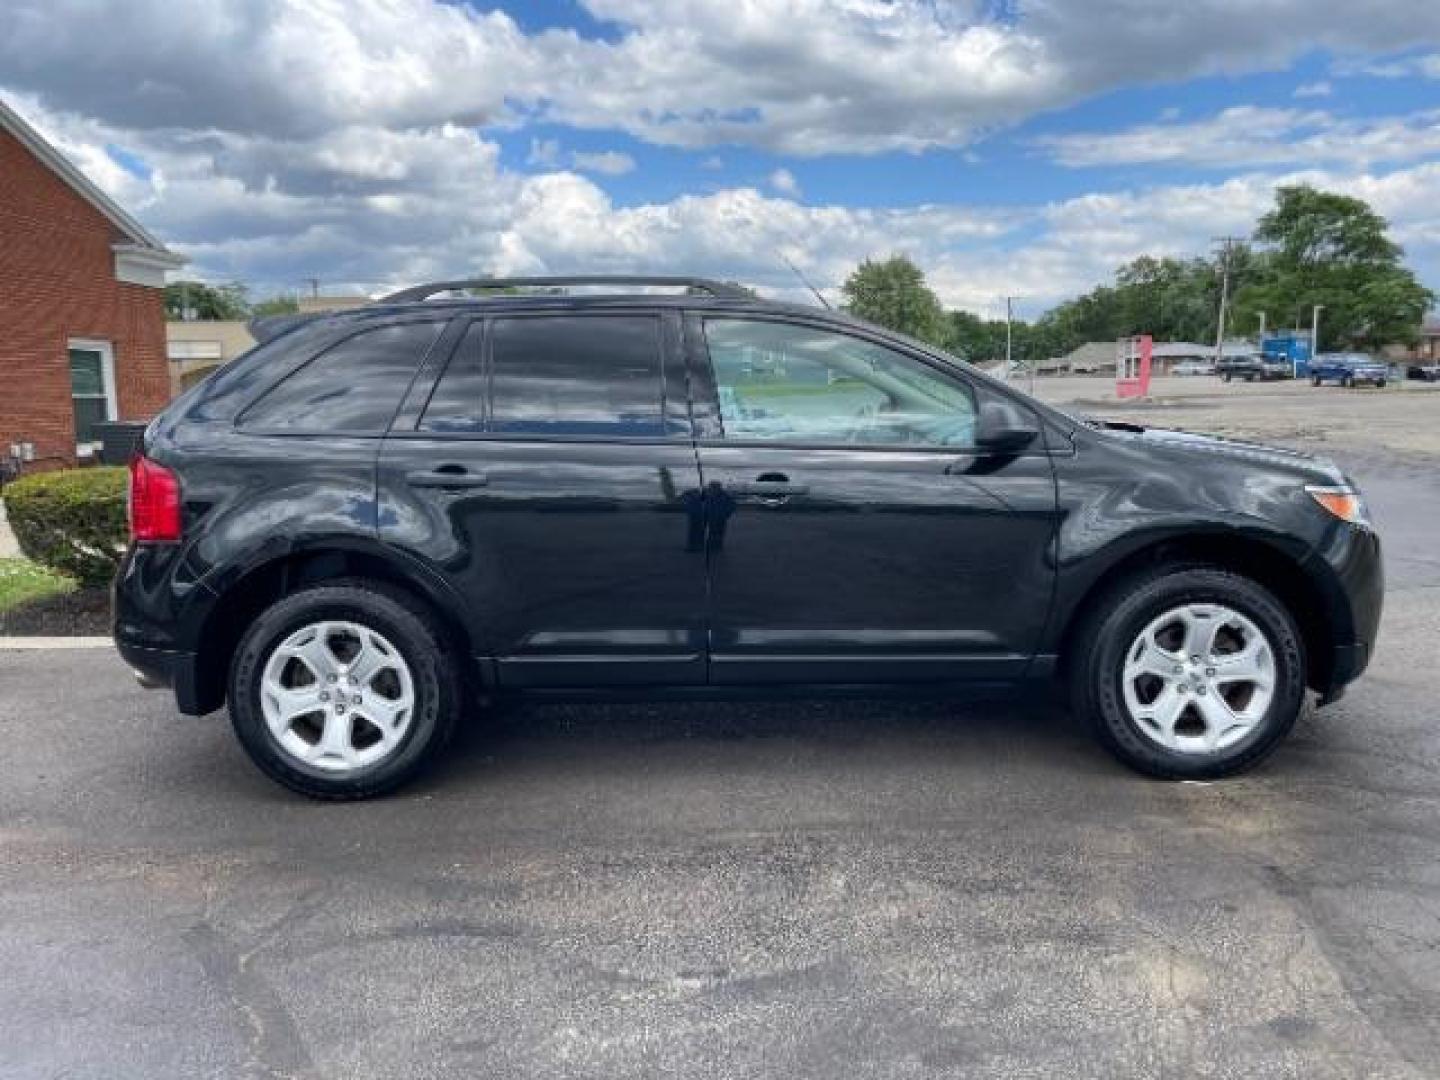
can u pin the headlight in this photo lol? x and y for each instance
(1344, 502)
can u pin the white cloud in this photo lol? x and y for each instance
(1314, 89)
(546, 154)
(1249, 135)
(604, 162)
(373, 210)
(783, 181)
(355, 140)
(1423, 66)
(811, 77)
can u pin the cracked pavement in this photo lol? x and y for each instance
(794, 889)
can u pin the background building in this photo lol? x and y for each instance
(82, 322)
(197, 347)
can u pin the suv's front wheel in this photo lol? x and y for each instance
(343, 691)
(1190, 672)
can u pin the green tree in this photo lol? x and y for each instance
(981, 341)
(195, 299)
(892, 293)
(1324, 248)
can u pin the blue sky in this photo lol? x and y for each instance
(1023, 148)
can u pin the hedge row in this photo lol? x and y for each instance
(71, 521)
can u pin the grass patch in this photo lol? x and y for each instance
(22, 580)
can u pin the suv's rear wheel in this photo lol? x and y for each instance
(1190, 672)
(343, 691)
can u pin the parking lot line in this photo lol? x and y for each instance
(27, 644)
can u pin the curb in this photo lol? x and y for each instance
(35, 644)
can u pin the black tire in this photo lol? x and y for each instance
(1315, 380)
(1226, 376)
(403, 622)
(1123, 612)
(1380, 385)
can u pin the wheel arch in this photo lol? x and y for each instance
(247, 592)
(1244, 554)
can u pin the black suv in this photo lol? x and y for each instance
(375, 518)
(1255, 367)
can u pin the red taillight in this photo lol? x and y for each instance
(154, 502)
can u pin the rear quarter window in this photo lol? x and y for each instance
(355, 386)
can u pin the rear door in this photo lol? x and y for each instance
(549, 475)
(856, 533)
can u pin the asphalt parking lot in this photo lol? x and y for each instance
(799, 889)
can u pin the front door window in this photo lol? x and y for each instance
(781, 382)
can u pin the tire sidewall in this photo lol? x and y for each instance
(1130, 612)
(434, 694)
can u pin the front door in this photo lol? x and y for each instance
(549, 476)
(856, 534)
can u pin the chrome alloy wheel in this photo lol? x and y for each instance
(337, 696)
(1199, 678)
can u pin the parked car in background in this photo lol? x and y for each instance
(1348, 369)
(1193, 367)
(376, 518)
(1255, 368)
(1423, 372)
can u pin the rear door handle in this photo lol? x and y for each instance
(772, 489)
(447, 476)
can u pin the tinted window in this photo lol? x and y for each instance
(458, 401)
(785, 383)
(576, 375)
(354, 386)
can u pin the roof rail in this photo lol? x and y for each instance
(718, 289)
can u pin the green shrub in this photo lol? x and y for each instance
(71, 521)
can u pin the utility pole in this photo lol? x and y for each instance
(1262, 330)
(1315, 331)
(314, 287)
(1227, 244)
(1008, 338)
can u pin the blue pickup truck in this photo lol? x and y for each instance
(1347, 369)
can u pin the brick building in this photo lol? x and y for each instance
(82, 319)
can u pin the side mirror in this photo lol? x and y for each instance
(1004, 428)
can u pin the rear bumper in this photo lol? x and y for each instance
(160, 668)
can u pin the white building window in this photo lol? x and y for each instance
(92, 390)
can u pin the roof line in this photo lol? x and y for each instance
(33, 141)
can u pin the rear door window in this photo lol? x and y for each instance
(564, 375)
(353, 387)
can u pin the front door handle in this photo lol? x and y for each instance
(446, 476)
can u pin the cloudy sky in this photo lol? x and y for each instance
(1025, 147)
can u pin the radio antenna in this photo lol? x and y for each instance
(803, 279)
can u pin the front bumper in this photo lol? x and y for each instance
(1355, 595)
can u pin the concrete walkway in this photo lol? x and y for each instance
(8, 547)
